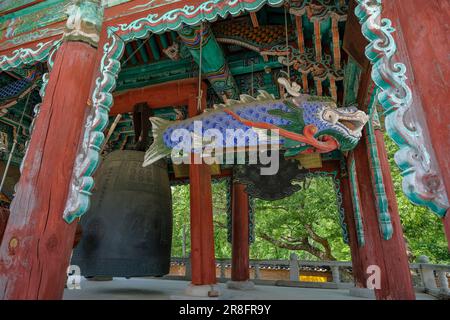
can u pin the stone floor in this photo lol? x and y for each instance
(159, 289)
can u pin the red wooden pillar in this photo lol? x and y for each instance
(202, 232)
(422, 40)
(36, 247)
(240, 234)
(396, 257)
(388, 255)
(4, 215)
(347, 203)
(202, 229)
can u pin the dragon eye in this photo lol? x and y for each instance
(330, 116)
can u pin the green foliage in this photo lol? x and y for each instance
(423, 230)
(181, 209)
(285, 221)
(315, 206)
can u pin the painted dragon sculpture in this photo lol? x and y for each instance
(305, 124)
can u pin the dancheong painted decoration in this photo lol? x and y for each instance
(134, 129)
(304, 123)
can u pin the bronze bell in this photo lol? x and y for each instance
(127, 232)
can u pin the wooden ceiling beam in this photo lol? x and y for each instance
(136, 52)
(354, 43)
(175, 93)
(254, 19)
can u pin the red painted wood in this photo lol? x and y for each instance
(422, 38)
(174, 93)
(396, 258)
(202, 232)
(354, 42)
(240, 234)
(136, 52)
(4, 215)
(372, 252)
(202, 227)
(389, 255)
(37, 243)
(347, 203)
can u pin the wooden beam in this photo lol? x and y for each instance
(300, 37)
(254, 19)
(136, 52)
(319, 88)
(349, 218)
(148, 50)
(305, 83)
(176, 93)
(155, 48)
(317, 40)
(333, 88)
(336, 43)
(423, 45)
(396, 259)
(354, 42)
(201, 213)
(388, 255)
(4, 13)
(131, 57)
(37, 242)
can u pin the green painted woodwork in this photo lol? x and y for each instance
(168, 70)
(164, 41)
(351, 82)
(33, 18)
(382, 205)
(214, 66)
(154, 48)
(130, 52)
(102, 99)
(395, 96)
(356, 203)
(7, 5)
(11, 121)
(140, 45)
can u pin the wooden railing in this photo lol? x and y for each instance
(428, 278)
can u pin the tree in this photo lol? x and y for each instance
(307, 223)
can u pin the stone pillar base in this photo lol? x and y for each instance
(362, 293)
(209, 290)
(241, 285)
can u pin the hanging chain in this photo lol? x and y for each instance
(200, 91)
(137, 49)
